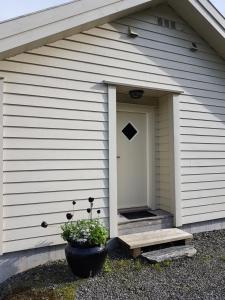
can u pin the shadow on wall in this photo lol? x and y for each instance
(164, 58)
(40, 277)
(16, 262)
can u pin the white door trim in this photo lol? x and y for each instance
(150, 145)
(113, 162)
(176, 145)
(113, 224)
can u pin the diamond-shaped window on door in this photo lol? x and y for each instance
(129, 131)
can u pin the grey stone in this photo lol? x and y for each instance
(170, 253)
(161, 220)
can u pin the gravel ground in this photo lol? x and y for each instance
(201, 277)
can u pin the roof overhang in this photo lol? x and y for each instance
(155, 89)
(204, 19)
(34, 30)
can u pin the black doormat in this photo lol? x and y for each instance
(138, 214)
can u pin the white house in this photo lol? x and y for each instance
(72, 127)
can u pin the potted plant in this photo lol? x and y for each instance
(86, 249)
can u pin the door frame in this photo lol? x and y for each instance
(150, 145)
(112, 143)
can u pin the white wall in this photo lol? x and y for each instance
(164, 159)
(55, 122)
(1, 166)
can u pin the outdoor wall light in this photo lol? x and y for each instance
(194, 47)
(132, 33)
(136, 94)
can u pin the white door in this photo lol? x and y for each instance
(132, 159)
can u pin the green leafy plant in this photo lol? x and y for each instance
(166, 263)
(223, 258)
(138, 265)
(88, 233)
(157, 267)
(108, 266)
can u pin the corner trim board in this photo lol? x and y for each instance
(1, 166)
(112, 161)
(176, 159)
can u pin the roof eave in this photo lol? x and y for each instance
(43, 27)
(35, 30)
(205, 20)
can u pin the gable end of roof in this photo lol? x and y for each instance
(34, 30)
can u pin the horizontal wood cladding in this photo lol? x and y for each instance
(51, 123)
(142, 45)
(66, 104)
(32, 242)
(59, 134)
(34, 220)
(200, 217)
(126, 65)
(51, 186)
(205, 171)
(30, 143)
(54, 196)
(30, 111)
(55, 119)
(48, 165)
(52, 229)
(163, 155)
(49, 208)
(111, 69)
(35, 238)
(56, 151)
(111, 73)
(54, 175)
(119, 38)
(141, 23)
(53, 154)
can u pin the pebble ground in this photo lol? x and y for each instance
(201, 277)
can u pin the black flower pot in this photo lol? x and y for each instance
(85, 261)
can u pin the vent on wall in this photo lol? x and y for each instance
(166, 23)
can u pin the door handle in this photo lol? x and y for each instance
(118, 157)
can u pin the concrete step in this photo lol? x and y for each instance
(170, 253)
(161, 220)
(137, 241)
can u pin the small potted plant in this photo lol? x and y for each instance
(86, 249)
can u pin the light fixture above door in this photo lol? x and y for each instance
(136, 94)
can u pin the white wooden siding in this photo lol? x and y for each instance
(55, 122)
(1, 167)
(164, 191)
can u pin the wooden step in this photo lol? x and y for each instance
(137, 241)
(170, 253)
